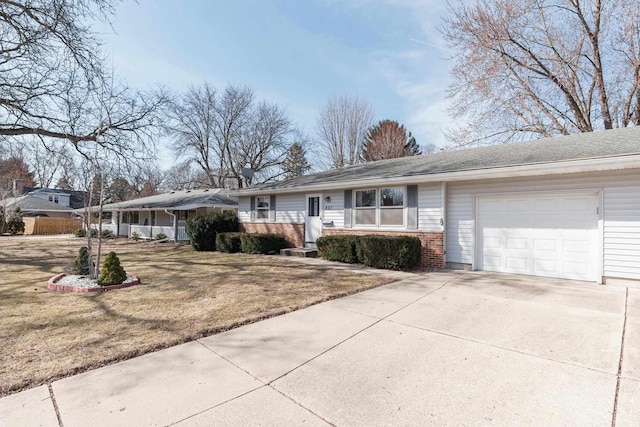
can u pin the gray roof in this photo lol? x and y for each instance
(609, 143)
(177, 199)
(31, 203)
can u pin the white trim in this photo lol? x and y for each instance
(554, 168)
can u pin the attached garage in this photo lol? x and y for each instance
(551, 235)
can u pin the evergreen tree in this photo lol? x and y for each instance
(81, 263)
(111, 272)
(388, 139)
(296, 162)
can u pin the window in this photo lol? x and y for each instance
(314, 206)
(392, 206)
(365, 207)
(385, 211)
(53, 198)
(262, 207)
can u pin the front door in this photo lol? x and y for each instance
(313, 221)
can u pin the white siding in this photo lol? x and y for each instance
(290, 208)
(336, 213)
(621, 214)
(244, 209)
(429, 212)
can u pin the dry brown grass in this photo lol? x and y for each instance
(184, 295)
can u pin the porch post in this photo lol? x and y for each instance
(175, 226)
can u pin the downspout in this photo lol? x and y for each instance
(443, 220)
(175, 225)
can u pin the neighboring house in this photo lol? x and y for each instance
(31, 205)
(64, 197)
(165, 213)
(566, 207)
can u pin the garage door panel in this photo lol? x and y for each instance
(539, 235)
(517, 264)
(543, 206)
(545, 267)
(545, 245)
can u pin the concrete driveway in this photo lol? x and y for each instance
(443, 348)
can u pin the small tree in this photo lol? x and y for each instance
(111, 272)
(81, 263)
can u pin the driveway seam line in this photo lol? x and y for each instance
(55, 405)
(513, 350)
(215, 406)
(300, 405)
(230, 362)
(624, 329)
(362, 330)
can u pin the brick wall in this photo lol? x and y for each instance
(293, 233)
(431, 254)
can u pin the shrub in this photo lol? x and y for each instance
(390, 252)
(254, 243)
(338, 248)
(161, 236)
(81, 263)
(228, 242)
(94, 232)
(135, 235)
(111, 272)
(107, 234)
(202, 229)
(15, 224)
(80, 232)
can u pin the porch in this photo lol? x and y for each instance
(148, 231)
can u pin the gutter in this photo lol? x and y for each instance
(556, 168)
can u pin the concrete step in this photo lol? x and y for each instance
(300, 252)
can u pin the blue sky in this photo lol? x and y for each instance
(295, 53)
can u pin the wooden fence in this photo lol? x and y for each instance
(45, 225)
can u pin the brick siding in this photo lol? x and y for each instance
(293, 233)
(432, 248)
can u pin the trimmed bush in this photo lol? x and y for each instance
(268, 243)
(229, 242)
(80, 232)
(389, 252)
(107, 234)
(161, 236)
(338, 248)
(202, 229)
(81, 263)
(94, 232)
(135, 235)
(111, 272)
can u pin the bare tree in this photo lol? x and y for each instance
(527, 68)
(388, 139)
(224, 132)
(341, 125)
(53, 84)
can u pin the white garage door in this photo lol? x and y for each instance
(552, 236)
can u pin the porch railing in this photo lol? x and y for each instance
(150, 232)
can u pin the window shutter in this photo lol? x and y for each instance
(412, 207)
(252, 212)
(272, 208)
(347, 208)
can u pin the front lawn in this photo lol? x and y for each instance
(184, 295)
